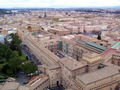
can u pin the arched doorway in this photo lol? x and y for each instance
(57, 83)
(117, 87)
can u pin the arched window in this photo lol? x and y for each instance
(117, 87)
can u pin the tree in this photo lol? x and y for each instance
(99, 37)
(15, 43)
(5, 68)
(16, 62)
(28, 67)
(11, 59)
(5, 52)
(56, 19)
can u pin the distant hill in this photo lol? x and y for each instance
(5, 11)
(2, 11)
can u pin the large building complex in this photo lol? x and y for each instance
(77, 62)
(69, 50)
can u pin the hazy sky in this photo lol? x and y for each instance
(58, 3)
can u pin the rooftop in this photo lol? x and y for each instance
(38, 34)
(116, 45)
(95, 45)
(38, 79)
(94, 59)
(59, 29)
(108, 51)
(72, 64)
(10, 86)
(99, 74)
(23, 88)
(69, 37)
(92, 45)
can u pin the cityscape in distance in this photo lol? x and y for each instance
(60, 45)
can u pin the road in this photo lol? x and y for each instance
(26, 51)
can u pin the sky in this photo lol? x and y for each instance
(57, 3)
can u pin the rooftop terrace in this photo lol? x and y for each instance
(99, 74)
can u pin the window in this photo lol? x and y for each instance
(112, 62)
(118, 63)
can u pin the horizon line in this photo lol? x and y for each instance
(105, 7)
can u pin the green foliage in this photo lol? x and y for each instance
(5, 52)
(56, 19)
(1, 66)
(28, 67)
(2, 77)
(15, 43)
(11, 59)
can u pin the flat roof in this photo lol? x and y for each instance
(10, 86)
(110, 50)
(99, 74)
(94, 46)
(59, 29)
(23, 88)
(94, 59)
(72, 64)
(69, 37)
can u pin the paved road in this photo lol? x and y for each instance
(22, 79)
(26, 51)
